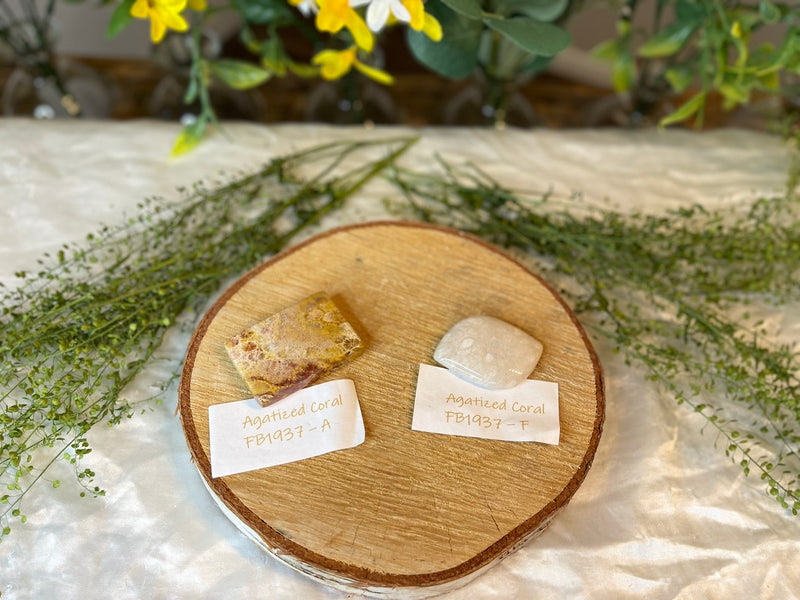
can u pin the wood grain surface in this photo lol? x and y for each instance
(405, 509)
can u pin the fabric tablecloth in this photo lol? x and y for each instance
(661, 514)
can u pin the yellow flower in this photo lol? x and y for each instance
(196, 4)
(335, 14)
(337, 63)
(163, 14)
(422, 21)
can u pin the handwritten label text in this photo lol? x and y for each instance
(444, 403)
(314, 421)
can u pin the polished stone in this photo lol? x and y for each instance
(289, 350)
(488, 352)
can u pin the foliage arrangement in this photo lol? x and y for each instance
(82, 326)
(671, 292)
(443, 34)
(695, 48)
(502, 38)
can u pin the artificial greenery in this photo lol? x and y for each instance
(663, 289)
(693, 48)
(503, 38)
(83, 324)
(263, 22)
(691, 52)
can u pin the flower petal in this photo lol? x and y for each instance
(333, 71)
(373, 73)
(377, 15)
(359, 30)
(416, 11)
(328, 20)
(173, 20)
(335, 64)
(157, 28)
(140, 9)
(399, 11)
(432, 28)
(323, 57)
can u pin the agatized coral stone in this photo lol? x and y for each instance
(289, 350)
(488, 352)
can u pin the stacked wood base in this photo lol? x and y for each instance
(406, 514)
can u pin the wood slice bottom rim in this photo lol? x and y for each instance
(406, 514)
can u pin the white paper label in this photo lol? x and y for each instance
(316, 420)
(446, 404)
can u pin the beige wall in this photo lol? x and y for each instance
(80, 31)
(83, 29)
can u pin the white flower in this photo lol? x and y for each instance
(378, 12)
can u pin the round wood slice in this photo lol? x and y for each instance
(405, 514)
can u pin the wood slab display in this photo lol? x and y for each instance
(405, 514)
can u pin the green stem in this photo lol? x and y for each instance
(90, 372)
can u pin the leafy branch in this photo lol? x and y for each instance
(76, 332)
(695, 48)
(665, 290)
(672, 292)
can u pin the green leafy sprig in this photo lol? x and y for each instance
(504, 37)
(75, 333)
(694, 49)
(672, 293)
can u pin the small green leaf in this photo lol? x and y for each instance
(543, 10)
(781, 58)
(189, 137)
(273, 57)
(262, 12)
(679, 78)
(303, 70)
(239, 74)
(456, 55)
(536, 37)
(536, 65)
(120, 18)
(471, 9)
(769, 12)
(623, 73)
(608, 50)
(687, 110)
(249, 40)
(191, 91)
(771, 80)
(668, 41)
(690, 11)
(734, 94)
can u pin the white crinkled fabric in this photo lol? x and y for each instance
(662, 514)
